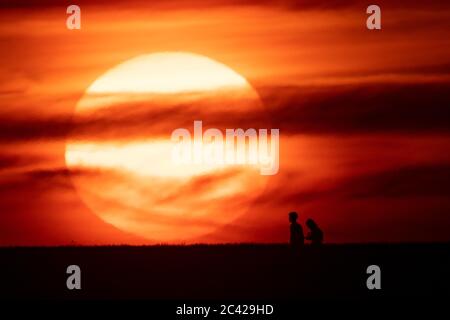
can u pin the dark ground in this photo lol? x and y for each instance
(226, 272)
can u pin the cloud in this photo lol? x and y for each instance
(43, 179)
(407, 182)
(382, 108)
(200, 184)
(404, 182)
(21, 128)
(345, 109)
(11, 161)
(198, 4)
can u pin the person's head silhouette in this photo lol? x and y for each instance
(312, 225)
(293, 216)
(315, 234)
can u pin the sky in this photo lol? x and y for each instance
(363, 118)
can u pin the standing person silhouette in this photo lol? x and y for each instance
(297, 239)
(314, 234)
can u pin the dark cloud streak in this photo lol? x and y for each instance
(199, 4)
(407, 182)
(347, 109)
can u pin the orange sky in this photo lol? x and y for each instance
(363, 114)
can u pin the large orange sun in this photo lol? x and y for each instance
(119, 151)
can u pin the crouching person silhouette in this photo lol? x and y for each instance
(297, 239)
(315, 235)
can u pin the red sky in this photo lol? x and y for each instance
(363, 114)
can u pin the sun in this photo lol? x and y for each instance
(119, 152)
(167, 72)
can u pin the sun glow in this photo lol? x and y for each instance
(131, 181)
(144, 158)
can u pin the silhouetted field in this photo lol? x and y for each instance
(225, 271)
